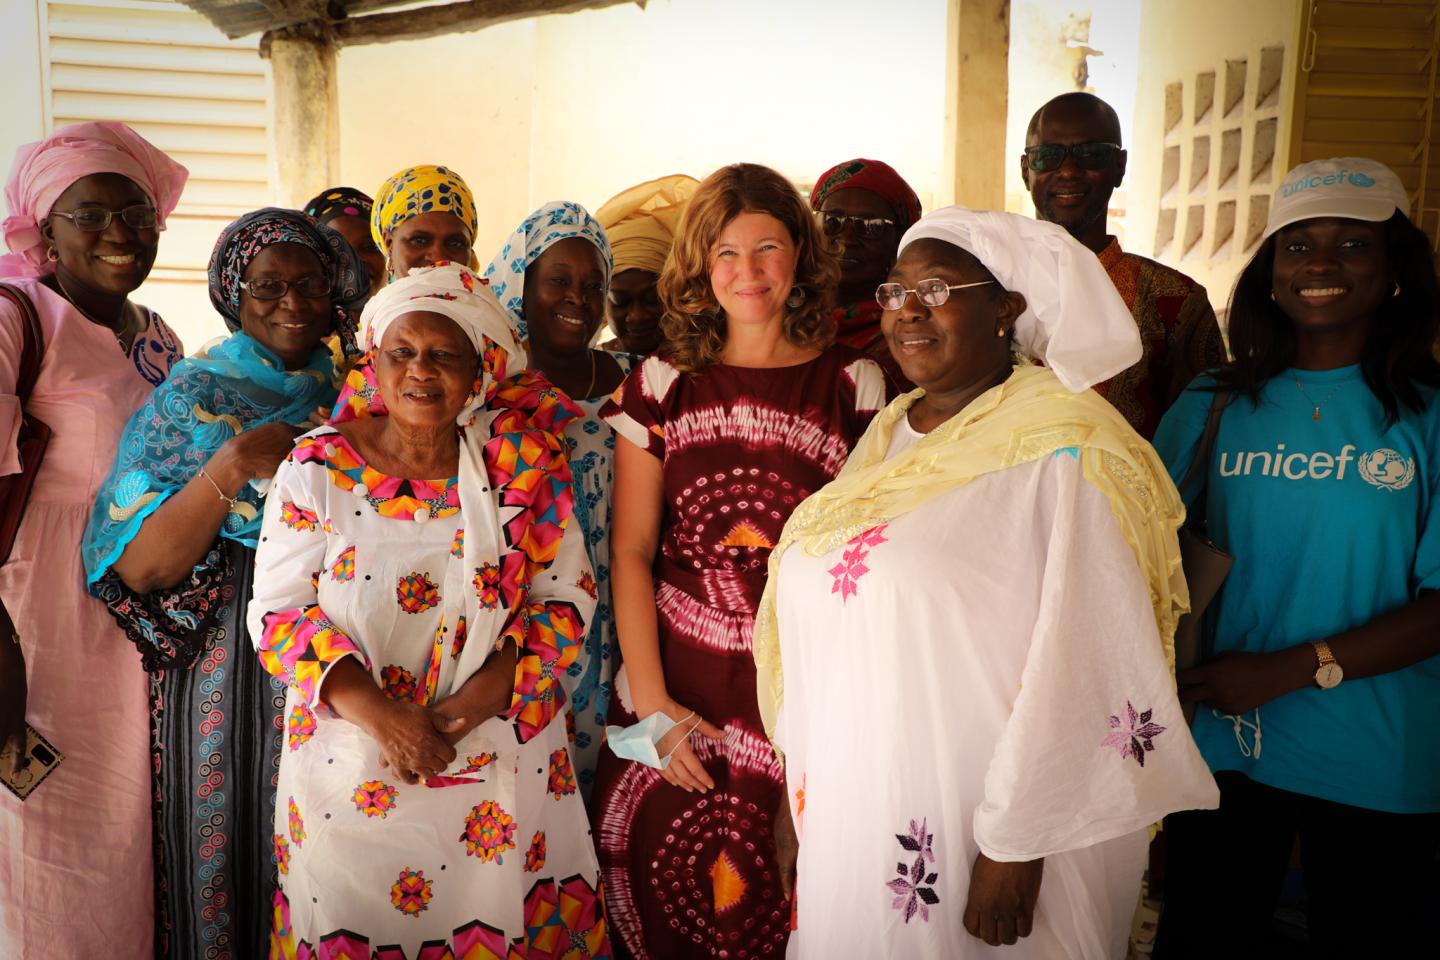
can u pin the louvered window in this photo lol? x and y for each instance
(203, 99)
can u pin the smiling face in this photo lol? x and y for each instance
(1075, 198)
(293, 326)
(948, 347)
(752, 268)
(1331, 274)
(113, 261)
(426, 239)
(425, 369)
(356, 231)
(633, 308)
(565, 297)
(864, 261)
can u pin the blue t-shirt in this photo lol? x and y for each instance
(1332, 522)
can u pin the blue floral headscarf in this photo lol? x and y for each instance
(556, 221)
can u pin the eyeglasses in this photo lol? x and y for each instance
(834, 224)
(1044, 157)
(273, 288)
(932, 292)
(140, 216)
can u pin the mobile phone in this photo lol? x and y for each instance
(41, 758)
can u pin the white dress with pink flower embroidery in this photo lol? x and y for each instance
(493, 857)
(982, 673)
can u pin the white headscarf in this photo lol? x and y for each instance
(452, 290)
(1074, 320)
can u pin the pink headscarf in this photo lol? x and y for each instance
(45, 169)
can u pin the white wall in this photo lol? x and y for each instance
(1179, 41)
(1048, 39)
(581, 106)
(22, 119)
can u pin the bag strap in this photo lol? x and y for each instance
(1201, 464)
(32, 351)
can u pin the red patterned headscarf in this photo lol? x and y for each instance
(877, 177)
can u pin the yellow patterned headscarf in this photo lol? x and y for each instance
(422, 189)
(641, 221)
(1029, 416)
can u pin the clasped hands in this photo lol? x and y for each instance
(418, 742)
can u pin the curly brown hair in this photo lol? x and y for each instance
(694, 324)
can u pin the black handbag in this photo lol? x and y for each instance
(1206, 565)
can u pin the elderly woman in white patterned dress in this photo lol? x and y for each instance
(419, 588)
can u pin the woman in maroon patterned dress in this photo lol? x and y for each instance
(720, 436)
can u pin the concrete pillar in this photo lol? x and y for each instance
(306, 112)
(977, 77)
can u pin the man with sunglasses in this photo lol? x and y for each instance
(1072, 163)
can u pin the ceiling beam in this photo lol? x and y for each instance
(461, 17)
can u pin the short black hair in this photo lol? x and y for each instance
(1077, 98)
(1399, 353)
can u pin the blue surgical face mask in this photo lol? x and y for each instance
(639, 740)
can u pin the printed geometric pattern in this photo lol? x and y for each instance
(298, 518)
(489, 832)
(565, 922)
(553, 640)
(396, 498)
(561, 781)
(298, 644)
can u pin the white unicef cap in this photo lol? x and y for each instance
(1355, 188)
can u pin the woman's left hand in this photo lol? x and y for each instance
(486, 694)
(1001, 905)
(1237, 682)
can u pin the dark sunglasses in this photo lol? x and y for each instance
(139, 216)
(1044, 157)
(273, 288)
(871, 228)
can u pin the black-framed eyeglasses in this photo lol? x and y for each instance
(139, 216)
(932, 292)
(273, 288)
(834, 224)
(1044, 157)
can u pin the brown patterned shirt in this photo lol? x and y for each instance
(1178, 334)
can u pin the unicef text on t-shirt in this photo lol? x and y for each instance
(1383, 468)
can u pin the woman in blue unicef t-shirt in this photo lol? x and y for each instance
(1320, 692)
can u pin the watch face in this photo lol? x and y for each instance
(1329, 676)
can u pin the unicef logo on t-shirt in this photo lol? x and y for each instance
(1386, 469)
(1361, 180)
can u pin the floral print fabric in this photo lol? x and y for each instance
(393, 868)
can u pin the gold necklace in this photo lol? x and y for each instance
(590, 389)
(122, 335)
(1308, 399)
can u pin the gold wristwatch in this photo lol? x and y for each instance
(1328, 674)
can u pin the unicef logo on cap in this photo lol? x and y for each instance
(1387, 469)
(1361, 180)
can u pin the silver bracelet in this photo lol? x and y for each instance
(218, 492)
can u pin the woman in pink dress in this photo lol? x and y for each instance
(748, 409)
(86, 206)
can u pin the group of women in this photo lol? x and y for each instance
(332, 619)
